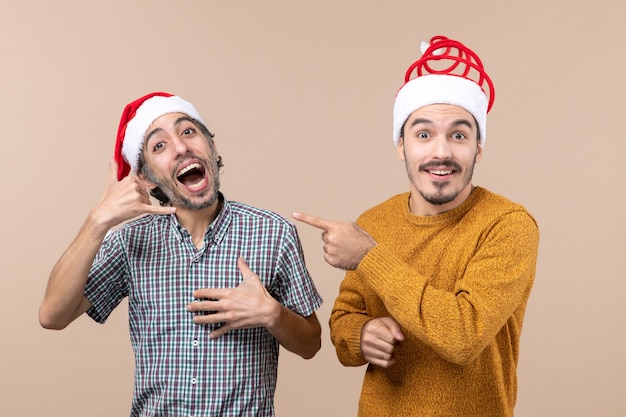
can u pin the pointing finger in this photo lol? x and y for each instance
(313, 221)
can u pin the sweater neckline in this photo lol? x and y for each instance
(446, 216)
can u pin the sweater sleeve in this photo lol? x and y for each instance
(458, 325)
(347, 319)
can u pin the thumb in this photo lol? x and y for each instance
(243, 267)
(249, 277)
(112, 170)
(394, 328)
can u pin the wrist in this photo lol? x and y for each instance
(274, 314)
(96, 225)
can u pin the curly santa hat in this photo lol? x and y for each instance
(137, 118)
(447, 73)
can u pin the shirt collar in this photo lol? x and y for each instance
(220, 225)
(216, 230)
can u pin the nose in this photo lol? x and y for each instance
(180, 147)
(441, 147)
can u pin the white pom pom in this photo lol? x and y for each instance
(425, 45)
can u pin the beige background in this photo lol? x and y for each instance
(300, 97)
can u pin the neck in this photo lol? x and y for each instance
(420, 207)
(196, 222)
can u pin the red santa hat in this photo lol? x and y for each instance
(447, 73)
(136, 119)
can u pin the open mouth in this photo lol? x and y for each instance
(192, 176)
(440, 172)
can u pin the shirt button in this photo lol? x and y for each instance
(194, 381)
(195, 343)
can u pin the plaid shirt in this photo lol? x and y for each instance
(179, 371)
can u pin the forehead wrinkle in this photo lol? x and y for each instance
(460, 122)
(455, 123)
(421, 120)
(183, 119)
(156, 130)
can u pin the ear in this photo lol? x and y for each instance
(400, 149)
(149, 184)
(479, 153)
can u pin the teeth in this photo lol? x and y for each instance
(196, 186)
(188, 168)
(441, 172)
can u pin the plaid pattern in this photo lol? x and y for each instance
(179, 370)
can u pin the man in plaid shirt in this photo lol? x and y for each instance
(214, 286)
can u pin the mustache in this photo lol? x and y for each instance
(439, 164)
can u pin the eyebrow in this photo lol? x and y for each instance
(455, 123)
(157, 130)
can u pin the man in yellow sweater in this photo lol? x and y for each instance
(437, 278)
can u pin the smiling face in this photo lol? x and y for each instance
(181, 161)
(439, 146)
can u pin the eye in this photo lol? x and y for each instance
(459, 136)
(423, 135)
(158, 146)
(188, 131)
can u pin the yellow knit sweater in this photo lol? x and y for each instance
(458, 284)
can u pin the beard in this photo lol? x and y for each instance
(443, 195)
(176, 198)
